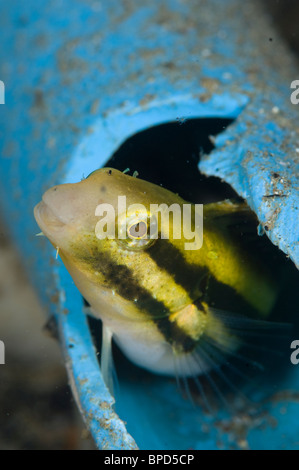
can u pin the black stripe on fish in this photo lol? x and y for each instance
(175, 335)
(195, 277)
(120, 279)
(170, 259)
(225, 297)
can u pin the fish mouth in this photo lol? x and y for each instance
(46, 219)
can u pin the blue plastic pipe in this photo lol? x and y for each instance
(80, 78)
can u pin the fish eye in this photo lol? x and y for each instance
(137, 230)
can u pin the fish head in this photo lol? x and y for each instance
(68, 214)
(105, 229)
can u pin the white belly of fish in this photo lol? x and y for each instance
(158, 357)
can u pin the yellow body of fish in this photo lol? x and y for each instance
(160, 302)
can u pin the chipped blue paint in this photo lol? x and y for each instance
(113, 130)
(82, 77)
(90, 392)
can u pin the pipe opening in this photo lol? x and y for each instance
(168, 154)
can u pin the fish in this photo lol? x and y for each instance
(173, 311)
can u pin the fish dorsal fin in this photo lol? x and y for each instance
(230, 212)
(237, 220)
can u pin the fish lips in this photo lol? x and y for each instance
(49, 222)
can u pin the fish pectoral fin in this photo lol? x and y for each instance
(240, 342)
(230, 351)
(223, 324)
(107, 366)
